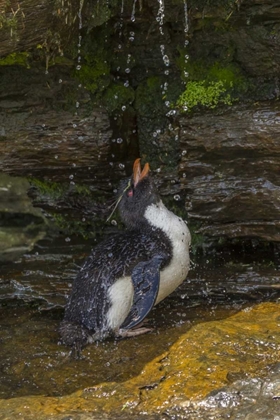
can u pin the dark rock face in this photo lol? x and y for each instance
(230, 171)
(133, 61)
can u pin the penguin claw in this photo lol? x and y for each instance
(122, 333)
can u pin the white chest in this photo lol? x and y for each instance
(178, 233)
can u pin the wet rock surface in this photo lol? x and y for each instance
(230, 171)
(253, 398)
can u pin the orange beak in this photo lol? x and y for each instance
(137, 173)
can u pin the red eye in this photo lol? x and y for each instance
(130, 193)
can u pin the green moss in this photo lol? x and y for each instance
(16, 59)
(54, 193)
(209, 84)
(94, 77)
(63, 61)
(199, 93)
(51, 189)
(94, 70)
(9, 18)
(82, 190)
(148, 96)
(74, 227)
(100, 13)
(117, 96)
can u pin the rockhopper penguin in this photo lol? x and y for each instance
(128, 273)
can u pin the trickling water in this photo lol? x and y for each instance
(186, 29)
(160, 16)
(133, 11)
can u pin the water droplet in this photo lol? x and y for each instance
(83, 219)
(119, 140)
(74, 125)
(74, 165)
(56, 157)
(127, 70)
(119, 47)
(184, 152)
(166, 72)
(186, 74)
(186, 42)
(123, 108)
(67, 239)
(121, 166)
(167, 103)
(71, 176)
(116, 96)
(110, 256)
(60, 81)
(166, 60)
(177, 197)
(78, 67)
(80, 138)
(131, 39)
(187, 57)
(114, 222)
(126, 84)
(171, 113)
(184, 175)
(185, 108)
(77, 104)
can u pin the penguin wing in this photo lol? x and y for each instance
(145, 278)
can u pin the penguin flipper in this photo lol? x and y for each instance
(145, 278)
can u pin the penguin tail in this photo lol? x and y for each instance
(74, 335)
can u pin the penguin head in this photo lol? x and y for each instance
(138, 195)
